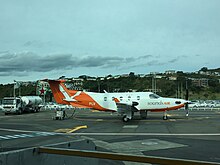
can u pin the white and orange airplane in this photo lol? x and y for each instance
(124, 103)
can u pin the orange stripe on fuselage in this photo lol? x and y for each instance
(86, 100)
(167, 109)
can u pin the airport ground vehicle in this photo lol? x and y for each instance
(21, 104)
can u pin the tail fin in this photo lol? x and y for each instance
(60, 92)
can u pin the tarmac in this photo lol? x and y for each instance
(196, 137)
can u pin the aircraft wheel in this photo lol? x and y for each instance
(165, 117)
(125, 119)
(143, 114)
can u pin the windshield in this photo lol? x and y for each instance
(154, 96)
(8, 101)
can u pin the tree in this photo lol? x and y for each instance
(131, 74)
(204, 69)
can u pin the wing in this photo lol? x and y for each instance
(126, 108)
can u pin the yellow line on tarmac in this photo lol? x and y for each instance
(77, 128)
(64, 130)
(95, 111)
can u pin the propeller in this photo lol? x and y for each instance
(187, 109)
(187, 102)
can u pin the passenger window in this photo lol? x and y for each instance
(105, 98)
(121, 98)
(129, 97)
(113, 98)
(138, 97)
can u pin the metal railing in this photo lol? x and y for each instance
(120, 157)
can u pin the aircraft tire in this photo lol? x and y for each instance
(125, 119)
(143, 114)
(165, 117)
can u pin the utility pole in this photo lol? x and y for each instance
(14, 89)
(154, 84)
(178, 90)
(187, 90)
(98, 85)
(181, 89)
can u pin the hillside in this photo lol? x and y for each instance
(167, 85)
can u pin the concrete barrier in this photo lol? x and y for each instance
(30, 156)
(82, 152)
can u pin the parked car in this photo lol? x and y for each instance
(194, 104)
(211, 104)
(203, 104)
(1, 107)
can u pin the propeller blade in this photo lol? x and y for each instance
(187, 109)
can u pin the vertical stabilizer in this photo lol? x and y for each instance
(60, 92)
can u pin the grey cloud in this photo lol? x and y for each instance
(20, 74)
(177, 58)
(184, 56)
(147, 64)
(173, 60)
(27, 62)
(6, 51)
(98, 61)
(32, 62)
(145, 57)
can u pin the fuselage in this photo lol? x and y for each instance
(145, 101)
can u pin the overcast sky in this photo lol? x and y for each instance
(52, 38)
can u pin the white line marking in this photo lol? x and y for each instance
(44, 134)
(2, 137)
(11, 136)
(16, 130)
(130, 126)
(27, 135)
(21, 136)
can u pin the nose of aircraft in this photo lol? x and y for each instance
(185, 102)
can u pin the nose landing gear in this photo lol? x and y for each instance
(165, 117)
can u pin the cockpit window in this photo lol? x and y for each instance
(153, 96)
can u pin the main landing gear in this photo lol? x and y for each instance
(127, 117)
(143, 114)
